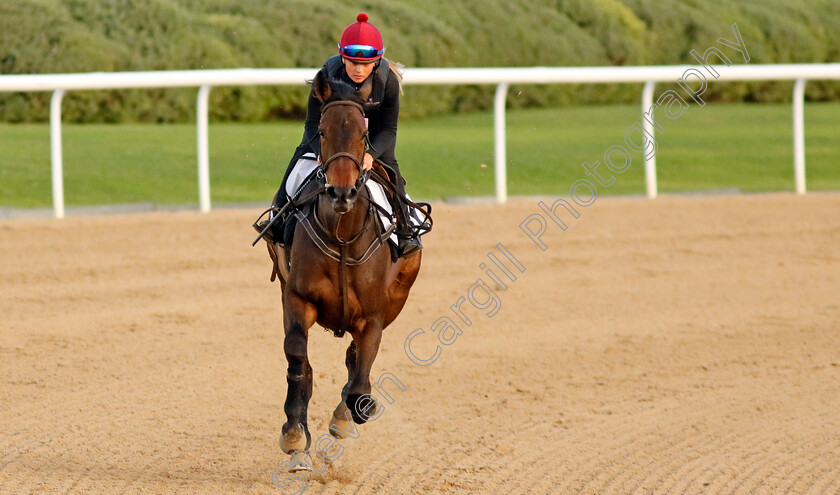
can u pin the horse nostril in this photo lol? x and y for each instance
(331, 193)
(353, 192)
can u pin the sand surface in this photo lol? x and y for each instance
(682, 345)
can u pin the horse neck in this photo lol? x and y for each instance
(351, 223)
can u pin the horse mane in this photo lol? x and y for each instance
(342, 91)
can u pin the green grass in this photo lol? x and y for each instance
(720, 146)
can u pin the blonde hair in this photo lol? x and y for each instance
(397, 68)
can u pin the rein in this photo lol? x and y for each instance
(297, 202)
(324, 237)
(343, 262)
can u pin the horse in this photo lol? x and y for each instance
(336, 272)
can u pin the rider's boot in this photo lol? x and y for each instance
(409, 245)
(274, 234)
(408, 240)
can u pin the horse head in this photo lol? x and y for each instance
(343, 136)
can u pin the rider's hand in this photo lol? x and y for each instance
(367, 162)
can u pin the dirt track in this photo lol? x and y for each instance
(683, 345)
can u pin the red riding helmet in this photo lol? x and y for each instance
(361, 41)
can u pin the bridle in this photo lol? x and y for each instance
(342, 257)
(360, 181)
(363, 174)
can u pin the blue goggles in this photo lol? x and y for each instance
(360, 51)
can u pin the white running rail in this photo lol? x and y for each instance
(502, 77)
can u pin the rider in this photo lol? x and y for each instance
(360, 60)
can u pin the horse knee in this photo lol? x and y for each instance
(294, 345)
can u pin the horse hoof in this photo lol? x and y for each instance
(339, 426)
(294, 439)
(362, 407)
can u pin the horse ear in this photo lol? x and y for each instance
(322, 88)
(365, 90)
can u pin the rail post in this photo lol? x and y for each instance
(55, 153)
(203, 149)
(650, 163)
(799, 135)
(499, 137)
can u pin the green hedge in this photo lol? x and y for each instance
(55, 36)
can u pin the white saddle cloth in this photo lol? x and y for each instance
(307, 164)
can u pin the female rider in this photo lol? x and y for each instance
(360, 62)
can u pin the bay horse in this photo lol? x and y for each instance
(338, 274)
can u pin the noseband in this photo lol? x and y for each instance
(363, 174)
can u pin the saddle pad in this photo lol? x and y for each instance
(377, 194)
(302, 169)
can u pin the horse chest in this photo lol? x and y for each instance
(363, 289)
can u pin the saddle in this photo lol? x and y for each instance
(280, 228)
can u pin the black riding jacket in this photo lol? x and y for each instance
(381, 109)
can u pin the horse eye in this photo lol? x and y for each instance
(321, 132)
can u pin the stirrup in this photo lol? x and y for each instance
(259, 227)
(409, 246)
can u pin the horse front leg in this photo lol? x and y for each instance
(340, 426)
(357, 397)
(298, 316)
